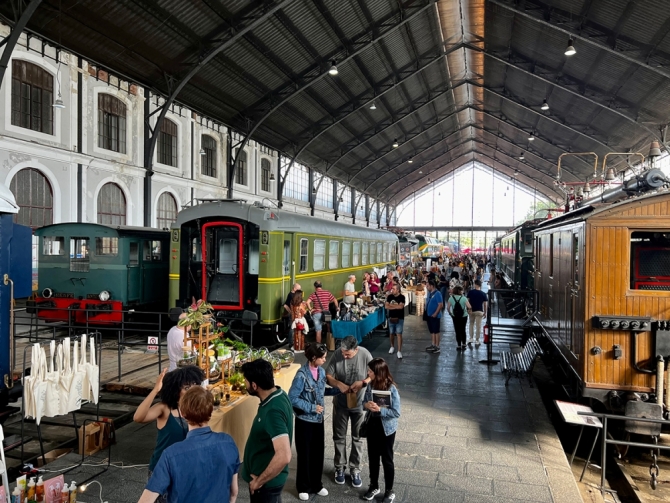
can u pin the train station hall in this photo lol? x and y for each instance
(402, 251)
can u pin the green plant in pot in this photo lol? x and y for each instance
(197, 314)
(236, 381)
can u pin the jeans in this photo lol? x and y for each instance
(459, 327)
(380, 446)
(266, 495)
(476, 323)
(309, 444)
(396, 328)
(341, 417)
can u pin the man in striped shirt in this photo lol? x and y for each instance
(319, 302)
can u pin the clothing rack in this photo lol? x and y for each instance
(96, 336)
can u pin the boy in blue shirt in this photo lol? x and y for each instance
(434, 305)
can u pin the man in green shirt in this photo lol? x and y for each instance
(268, 449)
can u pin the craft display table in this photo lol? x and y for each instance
(359, 329)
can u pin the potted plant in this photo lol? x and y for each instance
(197, 314)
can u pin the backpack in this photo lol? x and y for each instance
(458, 308)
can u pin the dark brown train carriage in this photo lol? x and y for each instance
(603, 273)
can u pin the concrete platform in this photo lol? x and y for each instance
(463, 436)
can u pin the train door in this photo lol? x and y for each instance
(575, 292)
(223, 264)
(288, 271)
(134, 271)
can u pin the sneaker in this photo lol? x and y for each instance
(389, 497)
(356, 478)
(477, 344)
(470, 344)
(370, 495)
(431, 347)
(303, 496)
(435, 350)
(323, 492)
(399, 355)
(339, 476)
(391, 350)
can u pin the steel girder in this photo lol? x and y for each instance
(576, 35)
(278, 98)
(555, 84)
(10, 41)
(366, 101)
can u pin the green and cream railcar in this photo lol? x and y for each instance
(240, 256)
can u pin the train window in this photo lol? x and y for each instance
(366, 251)
(380, 257)
(156, 252)
(650, 261)
(287, 258)
(346, 253)
(196, 251)
(304, 247)
(227, 254)
(528, 242)
(146, 251)
(79, 255)
(134, 254)
(357, 254)
(319, 259)
(538, 254)
(333, 254)
(551, 255)
(575, 254)
(107, 246)
(53, 245)
(386, 252)
(254, 256)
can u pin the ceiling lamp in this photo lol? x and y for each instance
(531, 137)
(610, 175)
(373, 106)
(410, 160)
(59, 102)
(202, 151)
(521, 157)
(272, 177)
(587, 188)
(341, 199)
(655, 149)
(395, 143)
(545, 105)
(333, 68)
(420, 172)
(570, 50)
(580, 192)
(516, 173)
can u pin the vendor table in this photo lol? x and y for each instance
(359, 329)
(236, 419)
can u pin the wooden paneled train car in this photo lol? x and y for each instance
(91, 273)
(240, 256)
(603, 273)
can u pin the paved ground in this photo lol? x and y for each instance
(463, 436)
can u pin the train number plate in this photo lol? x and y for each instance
(63, 295)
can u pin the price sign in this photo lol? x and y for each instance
(152, 344)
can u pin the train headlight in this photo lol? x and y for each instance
(104, 295)
(47, 293)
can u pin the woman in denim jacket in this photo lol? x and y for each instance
(307, 395)
(382, 425)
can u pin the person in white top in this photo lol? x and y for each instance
(350, 290)
(175, 344)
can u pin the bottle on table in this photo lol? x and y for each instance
(73, 493)
(39, 490)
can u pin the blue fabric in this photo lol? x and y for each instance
(390, 414)
(432, 301)
(200, 468)
(477, 299)
(359, 329)
(306, 393)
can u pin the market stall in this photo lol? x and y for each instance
(359, 329)
(236, 417)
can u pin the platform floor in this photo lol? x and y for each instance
(463, 436)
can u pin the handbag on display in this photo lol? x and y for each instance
(65, 375)
(76, 387)
(40, 396)
(92, 373)
(29, 383)
(52, 378)
(83, 368)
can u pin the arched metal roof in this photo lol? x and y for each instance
(452, 80)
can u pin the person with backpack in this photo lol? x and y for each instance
(458, 307)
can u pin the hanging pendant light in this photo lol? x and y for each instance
(373, 106)
(313, 190)
(395, 143)
(341, 199)
(545, 105)
(570, 50)
(531, 137)
(610, 175)
(333, 69)
(521, 157)
(580, 192)
(410, 160)
(655, 149)
(202, 151)
(59, 102)
(587, 188)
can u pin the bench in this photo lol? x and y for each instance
(519, 361)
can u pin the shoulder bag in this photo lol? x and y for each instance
(325, 314)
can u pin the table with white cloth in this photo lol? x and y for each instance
(359, 329)
(236, 419)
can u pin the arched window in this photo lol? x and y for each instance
(111, 205)
(111, 123)
(166, 213)
(241, 175)
(32, 97)
(167, 143)
(265, 175)
(34, 196)
(208, 159)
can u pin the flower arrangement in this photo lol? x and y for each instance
(197, 314)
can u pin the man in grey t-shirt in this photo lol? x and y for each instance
(347, 371)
